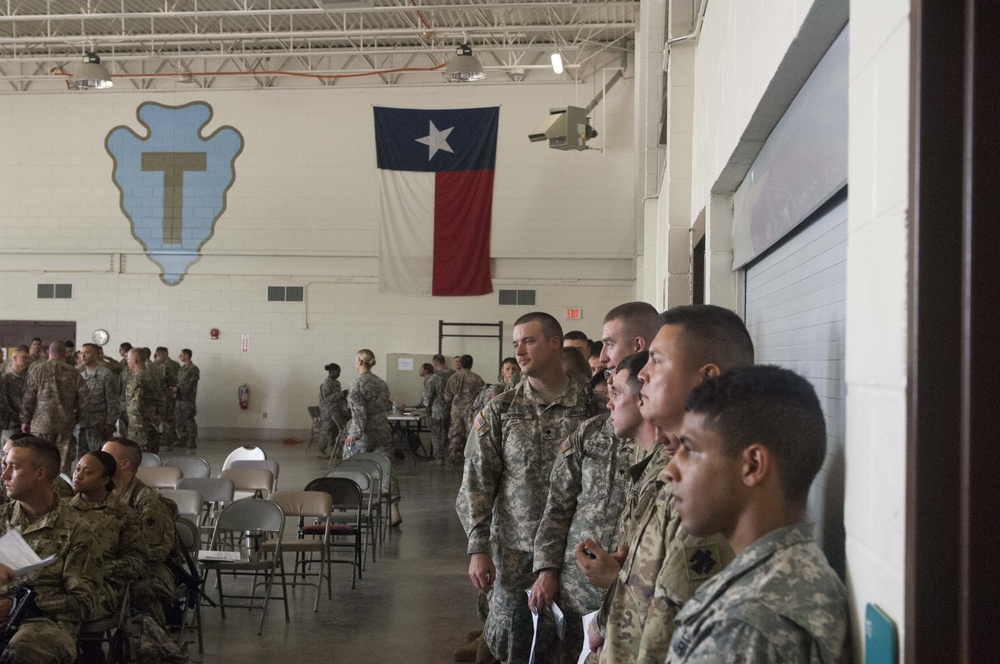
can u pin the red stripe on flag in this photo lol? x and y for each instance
(463, 209)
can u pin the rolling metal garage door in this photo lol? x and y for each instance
(795, 309)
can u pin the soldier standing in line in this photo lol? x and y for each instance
(54, 401)
(752, 442)
(141, 403)
(433, 399)
(67, 589)
(461, 391)
(99, 420)
(11, 391)
(506, 482)
(664, 564)
(333, 410)
(35, 353)
(510, 375)
(169, 390)
(187, 397)
(124, 375)
(587, 494)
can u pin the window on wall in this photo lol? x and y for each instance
(55, 291)
(517, 297)
(285, 293)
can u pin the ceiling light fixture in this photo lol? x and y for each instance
(464, 67)
(91, 75)
(557, 63)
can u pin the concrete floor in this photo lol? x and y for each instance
(414, 604)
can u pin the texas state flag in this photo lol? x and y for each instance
(435, 174)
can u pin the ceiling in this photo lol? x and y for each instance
(154, 44)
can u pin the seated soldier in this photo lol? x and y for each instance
(157, 523)
(752, 441)
(121, 550)
(60, 486)
(66, 588)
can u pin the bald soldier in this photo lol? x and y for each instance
(54, 402)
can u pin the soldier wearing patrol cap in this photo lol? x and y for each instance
(664, 564)
(506, 481)
(752, 441)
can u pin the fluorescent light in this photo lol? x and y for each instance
(557, 63)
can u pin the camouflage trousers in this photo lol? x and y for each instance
(458, 432)
(508, 631)
(327, 436)
(66, 442)
(168, 438)
(439, 437)
(380, 444)
(145, 436)
(91, 439)
(185, 425)
(40, 641)
(154, 643)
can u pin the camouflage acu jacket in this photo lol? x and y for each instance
(506, 481)
(587, 489)
(67, 588)
(779, 601)
(368, 399)
(187, 383)
(11, 391)
(102, 397)
(121, 549)
(332, 404)
(462, 388)
(55, 397)
(142, 399)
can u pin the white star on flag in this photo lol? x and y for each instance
(436, 140)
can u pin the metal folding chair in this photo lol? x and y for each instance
(302, 504)
(191, 466)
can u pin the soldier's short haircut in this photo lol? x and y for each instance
(162, 349)
(550, 326)
(57, 348)
(70, 343)
(466, 361)
(596, 347)
(640, 319)
(774, 407)
(186, 351)
(17, 352)
(19, 435)
(712, 335)
(509, 360)
(130, 450)
(146, 353)
(38, 339)
(577, 335)
(43, 454)
(125, 346)
(90, 345)
(438, 359)
(25, 348)
(633, 364)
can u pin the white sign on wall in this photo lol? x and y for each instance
(404, 364)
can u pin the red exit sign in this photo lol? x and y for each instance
(574, 314)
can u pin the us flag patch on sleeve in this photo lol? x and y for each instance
(479, 422)
(566, 447)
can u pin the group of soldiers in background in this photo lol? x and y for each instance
(79, 407)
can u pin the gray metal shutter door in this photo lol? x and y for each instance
(796, 298)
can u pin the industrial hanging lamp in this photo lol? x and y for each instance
(464, 67)
(90, 75)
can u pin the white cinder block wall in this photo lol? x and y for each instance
(738, 53)
(303, 211)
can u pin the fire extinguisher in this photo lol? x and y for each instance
(244, 396)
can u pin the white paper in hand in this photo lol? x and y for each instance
(16, 554)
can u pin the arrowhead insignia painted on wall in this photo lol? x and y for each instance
(173, 181)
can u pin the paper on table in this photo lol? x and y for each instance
(587, 619)
(219, 555)
(16, 554)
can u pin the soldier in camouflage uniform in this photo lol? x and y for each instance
(121, 550)
(779, 600)
(11, 391)
(158, 379)
(664, 564)
(461, 391)
(433, 398)
(54, 401)
(141, 403)
(510, 375)
(99, 420)
(169, 389)
(187, 397)
(369, 431)
(333, 410)
(506, 481)
(156, 520)
(587, 494)
(67, 588)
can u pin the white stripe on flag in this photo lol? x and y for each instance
(406, 232)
